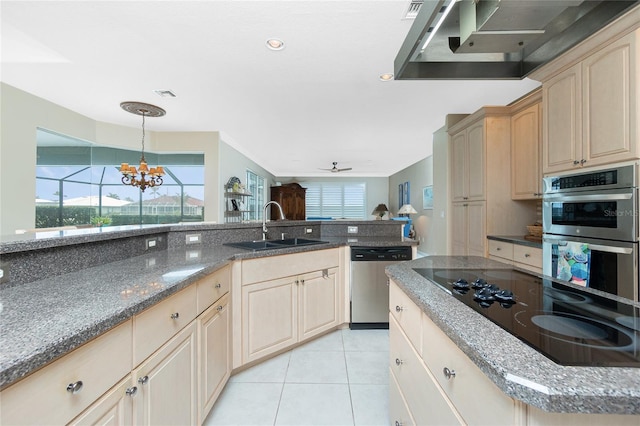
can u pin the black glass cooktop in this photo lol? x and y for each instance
(569, 326)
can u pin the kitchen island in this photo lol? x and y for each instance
(531, 386)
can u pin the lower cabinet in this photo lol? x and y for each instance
(166, 383)
(525, 257)
(278, 313)
(214, 361)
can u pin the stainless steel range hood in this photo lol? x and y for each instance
(497, 39)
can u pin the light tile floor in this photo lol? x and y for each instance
(338, 379)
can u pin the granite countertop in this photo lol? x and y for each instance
(517, 369)
(515, 239)
(45, 319)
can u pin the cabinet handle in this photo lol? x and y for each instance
(218, 285)
(498, 248)
(143, 380)
(399, 308)
(175, 315)
(219, 308)
(74, 387)
(583, 161)
(527, 255)
(297, 282)
(398, 423)
(449, 374)
(131, 391)
(576, 162)
(465, 198)
(399, 361)
(302, 281)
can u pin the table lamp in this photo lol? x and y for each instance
(379, 211)
(407, 210)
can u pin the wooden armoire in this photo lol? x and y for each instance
(291, 197)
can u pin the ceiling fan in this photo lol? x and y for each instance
(335, 168)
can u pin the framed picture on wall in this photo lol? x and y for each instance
(400, 195)
(427, 197)
(407, 194)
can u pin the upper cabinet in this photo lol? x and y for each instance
(526, 144)
(590, 109)
(468, 163)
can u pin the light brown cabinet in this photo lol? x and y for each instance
(291, 197)
(525, 257)
(590, 110)
(480, 175)
(526, 147)
(469, 163)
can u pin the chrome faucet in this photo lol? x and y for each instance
(264, 217)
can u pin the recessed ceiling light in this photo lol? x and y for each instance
(165, 93)
(275, 44)
(386, 77)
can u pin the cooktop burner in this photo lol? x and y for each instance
(569, 326)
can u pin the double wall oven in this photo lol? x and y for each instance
(590, 225)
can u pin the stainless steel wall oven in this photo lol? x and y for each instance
(590, 225)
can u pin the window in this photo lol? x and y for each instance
(254, 204)
(77, 181)
(336, 200)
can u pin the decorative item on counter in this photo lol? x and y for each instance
(534, 232)
(380, 211)
(144, 176)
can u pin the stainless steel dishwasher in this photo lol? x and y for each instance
(369, 286)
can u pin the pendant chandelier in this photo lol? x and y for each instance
(143, 177)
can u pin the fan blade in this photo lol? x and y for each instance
(343, 170)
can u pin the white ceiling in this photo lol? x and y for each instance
(292, 111)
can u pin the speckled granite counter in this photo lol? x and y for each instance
(519, 370)
(44, 319)
(515, 239)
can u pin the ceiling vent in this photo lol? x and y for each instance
(413, 9)
(165, 93)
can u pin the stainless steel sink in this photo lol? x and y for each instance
(273, 244)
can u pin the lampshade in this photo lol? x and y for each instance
(407, 209)
(380, 210)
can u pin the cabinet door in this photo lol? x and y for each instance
(459, 229)
(475, 161)
(318, 302)
(269, 317)
(115, 408)
(399, 413)
(459, 175)
(526, 170)
(476, 228)
(214, 362)
(562, 121)
(609, 115)
(166, 382)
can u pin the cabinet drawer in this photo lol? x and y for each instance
(406, 313)
(501, 249)
(274, 267)
(426, 402)
(42, 398)
(153, 327)
(213, 287)
(399, 413)
(528, 255)
(463, 389)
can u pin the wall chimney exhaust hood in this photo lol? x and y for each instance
(497, 39)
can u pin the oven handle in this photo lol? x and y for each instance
(597, 247)
(588, 197)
